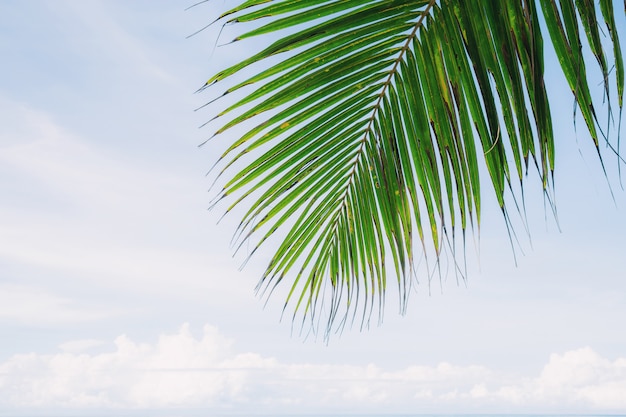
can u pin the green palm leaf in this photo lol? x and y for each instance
(370, 135)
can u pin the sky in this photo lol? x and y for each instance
(119, 290)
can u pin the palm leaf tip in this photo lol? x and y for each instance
(369, 143)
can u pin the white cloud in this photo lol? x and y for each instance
(183, 371)
(578, 378)
(177, 370)
(83, 211)
(81, 345)
(585, 376)
(62, 165)
(32, 305)
(606, 395)
(97, 31)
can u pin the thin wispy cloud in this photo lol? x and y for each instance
(98, 215)
(31, 305)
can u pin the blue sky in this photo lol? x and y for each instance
(118, 289)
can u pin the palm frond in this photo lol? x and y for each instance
(371, 134)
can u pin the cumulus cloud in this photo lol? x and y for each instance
(586, 376)
(578, 378)
(182, 371)
(177, 370)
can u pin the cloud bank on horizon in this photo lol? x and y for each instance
(183, 371)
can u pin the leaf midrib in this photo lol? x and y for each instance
(375, 110)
